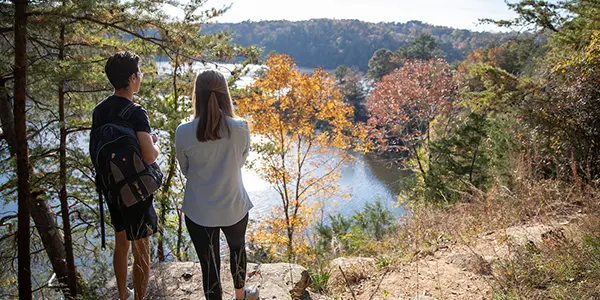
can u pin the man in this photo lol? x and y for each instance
(134, 224)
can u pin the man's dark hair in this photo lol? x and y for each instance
(120, 67)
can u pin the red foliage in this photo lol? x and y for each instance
(405, 102)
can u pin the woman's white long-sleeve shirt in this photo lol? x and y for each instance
(214, 193)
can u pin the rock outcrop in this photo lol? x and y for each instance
(183, 280)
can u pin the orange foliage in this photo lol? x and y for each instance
(305, 135)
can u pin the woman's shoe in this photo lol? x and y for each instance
(251, 294)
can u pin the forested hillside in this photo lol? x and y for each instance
(330, 43)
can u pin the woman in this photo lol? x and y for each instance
(211, 150)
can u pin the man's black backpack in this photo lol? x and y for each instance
(121, 173)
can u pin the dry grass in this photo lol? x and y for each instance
(528, 201)
(565, 264)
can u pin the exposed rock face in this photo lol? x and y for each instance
(183, 280)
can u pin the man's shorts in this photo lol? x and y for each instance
(139, 220)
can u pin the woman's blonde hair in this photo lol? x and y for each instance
(212, 102)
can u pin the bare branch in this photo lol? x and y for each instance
(335, 168)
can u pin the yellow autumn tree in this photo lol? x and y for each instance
(305, 136)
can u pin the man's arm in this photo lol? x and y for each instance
(149, 150)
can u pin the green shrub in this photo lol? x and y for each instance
(358, 234)
(319, 280)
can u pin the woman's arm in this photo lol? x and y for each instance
(181, 157)
(247, 147)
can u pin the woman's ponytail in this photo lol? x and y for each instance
(212, 102)
(213, 117)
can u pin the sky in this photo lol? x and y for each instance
(463, 14)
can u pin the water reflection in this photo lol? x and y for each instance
(366, 181)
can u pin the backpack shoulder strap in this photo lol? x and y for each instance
(101, 207)
(129, 109)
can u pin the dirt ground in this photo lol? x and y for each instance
(461, 270)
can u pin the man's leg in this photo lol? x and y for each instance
(141, 222)
(141, 267)
(120, 263)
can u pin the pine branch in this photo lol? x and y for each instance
(83, 222)
(35, 132)
(41, 42)
(7, 218)
(87, 91)
(115, 25)
(80, 201)
(77, 129)
(42, 286)
(6, 77)
(5, 237)
(7, 40)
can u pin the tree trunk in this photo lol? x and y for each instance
(7, 122)
(20, 97)
(290, 248)
(473, 162)
(41, 212)
(419, 161)
(53, 241)
(43, 217)
(178, 255)
(428, 146)
(286, 201)
(64, 204)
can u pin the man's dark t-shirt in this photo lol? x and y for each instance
(107, 111)
(139, 220)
